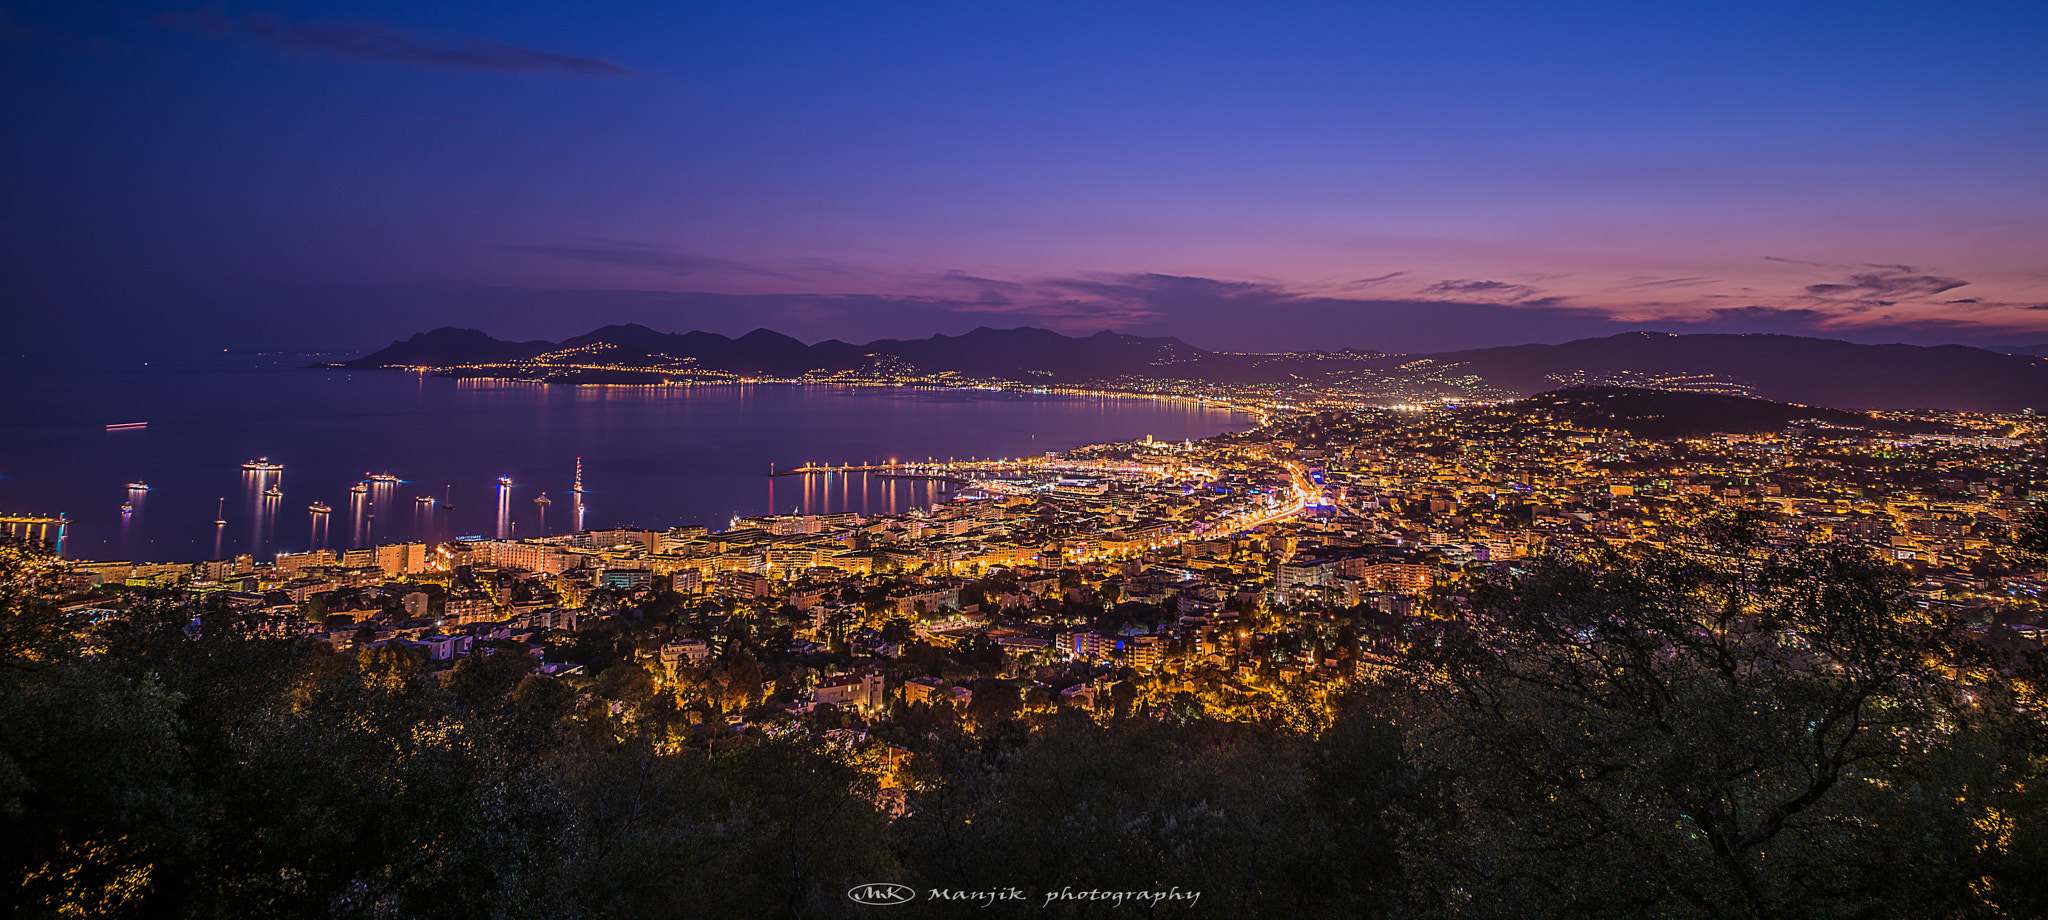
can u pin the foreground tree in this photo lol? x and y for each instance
(1769, 733)
(1772, 733)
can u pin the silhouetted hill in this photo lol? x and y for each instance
(1819, 372)
(1023, 353)
(449, 346)
(1671, 414)
(1794, 369)
(761, 351)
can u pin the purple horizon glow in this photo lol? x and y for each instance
(336, 174)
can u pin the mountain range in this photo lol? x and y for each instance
(1794, 369)
(1669, 414)
(1013, 354)
(1797, 369)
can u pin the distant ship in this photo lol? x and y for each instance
(425, 499)
(359, 488)
(126, 507)
(220, 513)
(263, 465)
(542, 500)
(504, 480)
(384, 477)
(273, 492)
(138, 486)
(318, 508)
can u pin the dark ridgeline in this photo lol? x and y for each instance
(1648, 413)
(982, 353)
(1810, 371)
(1789, 368)
(449, 345)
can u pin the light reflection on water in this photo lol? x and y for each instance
(654, 457)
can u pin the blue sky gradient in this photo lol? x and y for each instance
(330, 175)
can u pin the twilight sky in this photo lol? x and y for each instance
(327, 175)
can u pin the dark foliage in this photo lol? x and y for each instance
(1775, 734)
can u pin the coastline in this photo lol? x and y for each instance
(596, 376)
(657, 455)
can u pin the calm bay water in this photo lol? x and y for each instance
(653, 457)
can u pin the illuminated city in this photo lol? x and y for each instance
(826, 461)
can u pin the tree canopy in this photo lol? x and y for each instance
(1734, 730)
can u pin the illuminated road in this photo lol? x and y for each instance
(1295, 503)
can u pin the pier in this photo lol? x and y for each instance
(962, 473)
(929, 469)
(35, 527)
(815, 468)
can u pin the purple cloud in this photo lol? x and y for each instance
(1886, 285)
(1490, 291)
(376, 41)
(648, 257)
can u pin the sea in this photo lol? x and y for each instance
(438, 449)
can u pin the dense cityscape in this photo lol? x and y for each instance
(808, 460)
(1271, 579)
